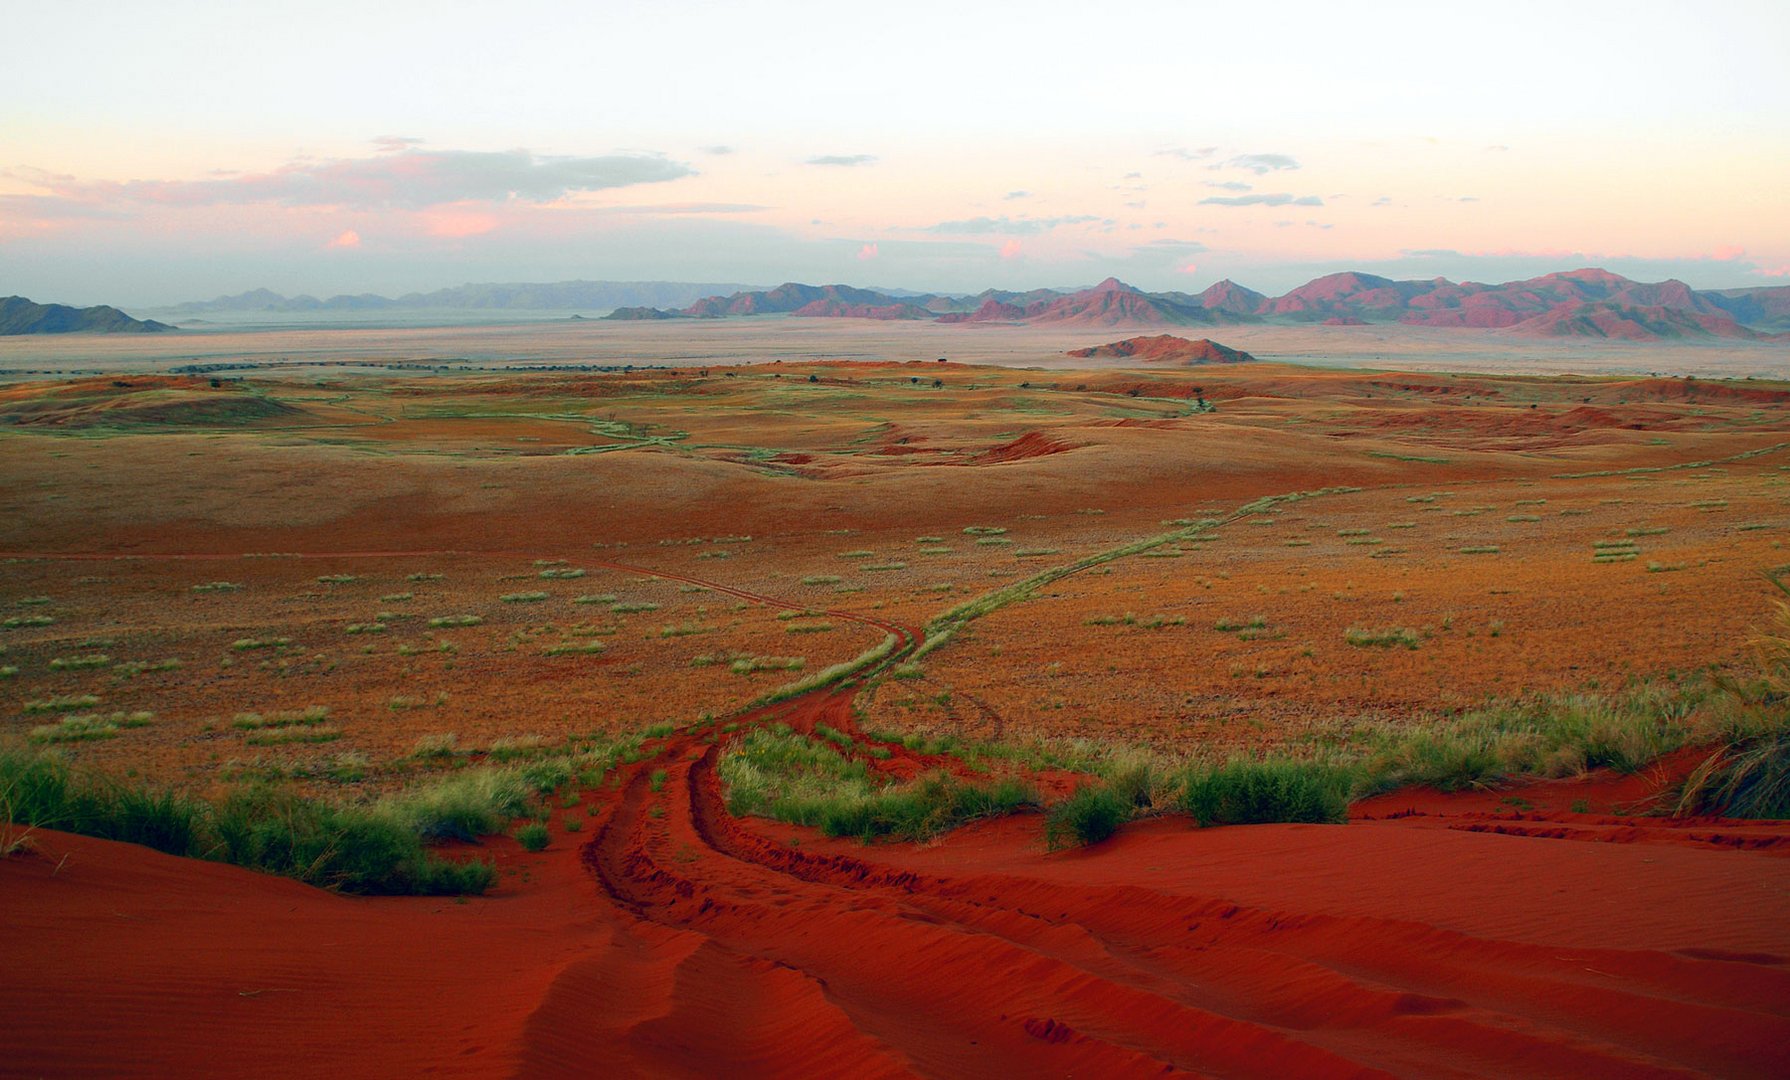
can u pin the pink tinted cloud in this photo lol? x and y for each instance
(1728, 253)
(1010, 249)
(457, 221)
(867, 252)
(1190, 268)
(347, 239)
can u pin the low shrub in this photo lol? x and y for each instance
(1260, 792)
(1391, 637)
(1089, 816)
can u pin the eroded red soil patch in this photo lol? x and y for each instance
(679, 940)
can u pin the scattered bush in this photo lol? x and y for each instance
(1089, 816)
(82, 727)
(65, 703)
(1390, 637)
(277, 736)
(439, 745)
(444, 621)
(247, 644)
(1255, 622)
(574, 648)
(310, 716)
(1260, 792)
(748, 665)
(80, 663)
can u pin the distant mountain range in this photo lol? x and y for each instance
(553, 296)
(20, 316)
(1578, 303)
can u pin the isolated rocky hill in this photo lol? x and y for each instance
(1165, 348)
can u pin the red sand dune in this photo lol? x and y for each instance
(1167, 348)
(1436, 935)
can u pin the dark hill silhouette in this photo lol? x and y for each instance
(20, 316)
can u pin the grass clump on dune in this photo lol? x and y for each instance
(1089, 816)
(360, 848)
(1750, 775)
(1550, 736)
(776, 773)
(64, 703)
(80, 663)
(1748, 779)
(1390, 637)
(444, 621)
(1273, 790)
(353, 849)
(83, 727)
(310, 716)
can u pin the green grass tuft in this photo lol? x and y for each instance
(1089, 816)
(1261, 792)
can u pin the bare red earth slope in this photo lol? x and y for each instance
(1435, 936)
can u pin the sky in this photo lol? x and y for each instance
(155, 153)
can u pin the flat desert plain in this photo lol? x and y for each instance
(756, 634)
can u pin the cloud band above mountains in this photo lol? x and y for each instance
(408, 179)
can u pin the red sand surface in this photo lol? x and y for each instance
(1490, 934)
(1434, 936)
